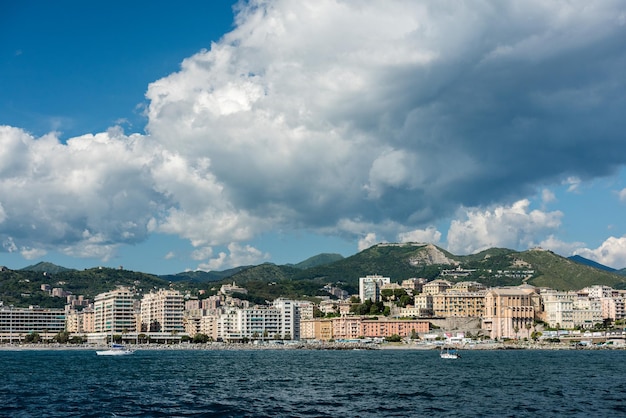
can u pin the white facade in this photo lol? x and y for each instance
(599, 291)
(571, 310)
(558, 308)
(16, 323)
(369, 287)
(115, 312)
(587, 312)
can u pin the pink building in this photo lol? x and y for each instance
(387, 328)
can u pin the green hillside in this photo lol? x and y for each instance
(22, 288)
(319, 260)
(398, 262)
(269, 281)
(561, 273)
(199, 276)
(46, 267)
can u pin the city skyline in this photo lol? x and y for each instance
(166, 138)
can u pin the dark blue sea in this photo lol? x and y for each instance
(303, 383)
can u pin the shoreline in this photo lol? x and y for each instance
(496, 346)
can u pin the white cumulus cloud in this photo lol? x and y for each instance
(611, 253)
(347, 118)
(512, 226)
(237, 255)
(429, 235)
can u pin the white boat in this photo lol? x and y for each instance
(115, 350)
(448, 353)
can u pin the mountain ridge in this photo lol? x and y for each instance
(492, 267)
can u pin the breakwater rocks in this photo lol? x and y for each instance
(266, 346)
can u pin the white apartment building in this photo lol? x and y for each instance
(369, 287)
(114, 312)
(16, 323)
(558, 308)
(162, 311)
(587, 312)
(598, 291)
(571, 309)
(279, 321)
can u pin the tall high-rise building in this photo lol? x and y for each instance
(369, 287)
(115, 312)
(162, 311)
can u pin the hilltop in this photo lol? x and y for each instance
(267, 281)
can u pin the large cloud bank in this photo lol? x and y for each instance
(350, 118)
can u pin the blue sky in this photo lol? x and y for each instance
(167, 136)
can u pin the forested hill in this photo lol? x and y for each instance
(493, 267)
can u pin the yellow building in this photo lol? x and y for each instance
(459, 304)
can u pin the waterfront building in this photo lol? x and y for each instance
(208, 325)
(558, 308)
(80, 322)
(570, 310)
(357, 327)
(509, 312)
(346, 327)
(307, 328)
(162, 311)
(16, 323)
(369, 287)
(612, 307)
(114, 312)
(587, 312)
(382, 328)
(454, 303)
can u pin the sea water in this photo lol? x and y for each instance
(311, 383)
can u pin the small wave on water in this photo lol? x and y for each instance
(316, 383)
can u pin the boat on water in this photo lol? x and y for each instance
(448, 353)
(115, 350)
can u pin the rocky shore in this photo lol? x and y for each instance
(323, 346)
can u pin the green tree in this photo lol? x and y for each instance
(77, 340)
(62, 337)
(405, 300)
(33, 337)
(200, 338)
(395, 338)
